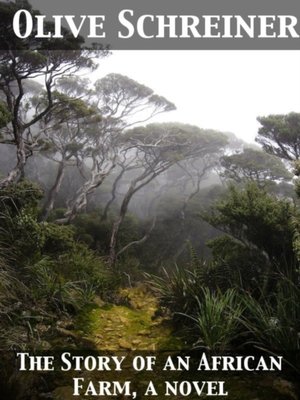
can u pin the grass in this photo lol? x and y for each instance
(217, 319)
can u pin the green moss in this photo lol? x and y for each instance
(133, 327)
(85, 320)
(116, 327)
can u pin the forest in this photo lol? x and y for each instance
(120, 233)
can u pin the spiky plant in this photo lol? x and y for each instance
(177, 289)
(273, 324)
(217, 319)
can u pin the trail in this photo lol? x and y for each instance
(133, 326)
(137, 325)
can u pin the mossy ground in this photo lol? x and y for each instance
(125, 328)
(129, 327)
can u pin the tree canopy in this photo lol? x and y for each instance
(254, 165)
(23, 61)
(280, 135)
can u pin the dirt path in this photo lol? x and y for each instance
(136, 326)
(133, 326)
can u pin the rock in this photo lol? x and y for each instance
(124, 344)
(109, 329)
(123, 320)
(136, 341)
(144, 332)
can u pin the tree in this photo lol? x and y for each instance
(280, 135)
(183, 184)
(66, 132)
(254, 165)
(121, 102)
(124, 165)
(259, 232)
(26, 60)
(154, 149)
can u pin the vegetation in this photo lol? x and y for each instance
(256, 166)
(217, 319)
(46, 272)
(93, 203)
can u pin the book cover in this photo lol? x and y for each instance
(149, 199)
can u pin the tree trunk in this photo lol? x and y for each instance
(140, 241)
(113, 195)
(80, 201)
(117, 224)
(146, 177)
(48, 207)
(17, 172)
(113, 241)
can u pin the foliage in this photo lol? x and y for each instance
(120, 98)
(258, 221)
(237, 265)
(176, 289)
(10, 290)
(158, 148)
(24, 195)
(250, 289)
(213, 314)
(5, 116)
(28, 238)
(273, 323)
(22, 61)
(254, 165)
(174, 141)
(70, 282)
(47, 285)
(91, 229)
(82, 264)
(173, 232)
(279, 135)
(44, 269)
(217, 319)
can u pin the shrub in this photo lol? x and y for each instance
(177, 289)
(217, 319)
(273, 324)
(20, 196)
(44, 271)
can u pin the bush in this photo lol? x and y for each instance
(273, 324)
(177, 289)
(44, 271)
(217, 319)
(24, 195)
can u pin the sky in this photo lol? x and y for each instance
(222, 90)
